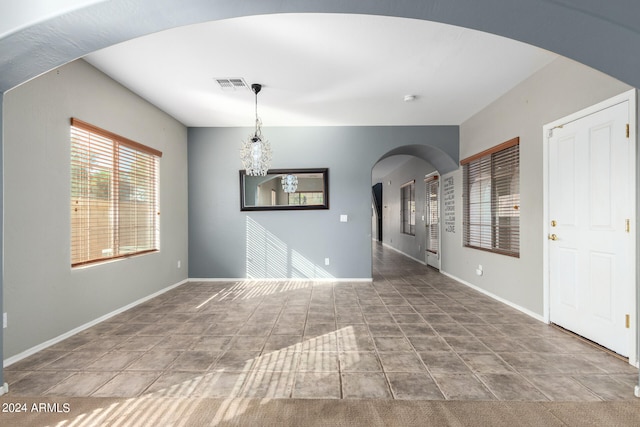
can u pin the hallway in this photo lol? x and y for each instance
(411, 334)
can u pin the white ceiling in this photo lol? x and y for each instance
(321, 69)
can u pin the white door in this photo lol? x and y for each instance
(433, 221)
(590, 206)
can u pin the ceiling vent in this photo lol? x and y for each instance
(232, 84)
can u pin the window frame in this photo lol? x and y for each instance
(300, 194)
(432, 210)
(493, 216)
(408, 208)
(119, 157)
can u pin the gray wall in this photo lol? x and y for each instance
(227, 243)
(561, 88)
(413, 246)
(43, 296)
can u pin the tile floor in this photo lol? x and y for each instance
(411, 334)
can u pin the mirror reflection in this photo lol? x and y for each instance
(284, 189)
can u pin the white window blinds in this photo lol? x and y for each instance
(114, 195)
(491, 192)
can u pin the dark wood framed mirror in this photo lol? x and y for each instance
(285, 189)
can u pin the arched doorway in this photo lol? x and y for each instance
(405, 201)
(36, 41)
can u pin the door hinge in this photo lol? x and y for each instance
(627, 321)
(627, 225)
(627, 131)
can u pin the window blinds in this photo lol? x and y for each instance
(491, 191)
(114, 195)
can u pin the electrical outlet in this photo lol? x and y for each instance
(326, 261)
(179, 264)
(4, 320)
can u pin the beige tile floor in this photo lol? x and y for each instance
(410, 334)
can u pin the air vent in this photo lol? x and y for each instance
(232, 84)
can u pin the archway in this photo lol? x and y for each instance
(584, 32)
(402, 205)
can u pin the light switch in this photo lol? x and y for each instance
(344, 218)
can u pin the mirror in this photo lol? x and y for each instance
(285, 189)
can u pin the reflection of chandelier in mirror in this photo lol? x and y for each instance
(289, 183)
(255, 152)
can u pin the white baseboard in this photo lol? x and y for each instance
(497, 298)
(421, 261)
(282, 279)
(482, 291)
(4, 389)
(13, 359)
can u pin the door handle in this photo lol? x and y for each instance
(553, 237)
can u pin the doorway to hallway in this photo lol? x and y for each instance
(406, 208)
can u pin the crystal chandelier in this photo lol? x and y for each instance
(289, 183)
(255, 152)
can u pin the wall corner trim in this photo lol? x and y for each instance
(13, 359)
(497, 298)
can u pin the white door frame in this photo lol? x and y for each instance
(629, 96)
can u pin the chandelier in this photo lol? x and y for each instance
(255, 152)
(289, 183)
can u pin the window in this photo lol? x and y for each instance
(114, 195)
(433, 212)
(306, 198)
(491, 192)
(408, 208)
